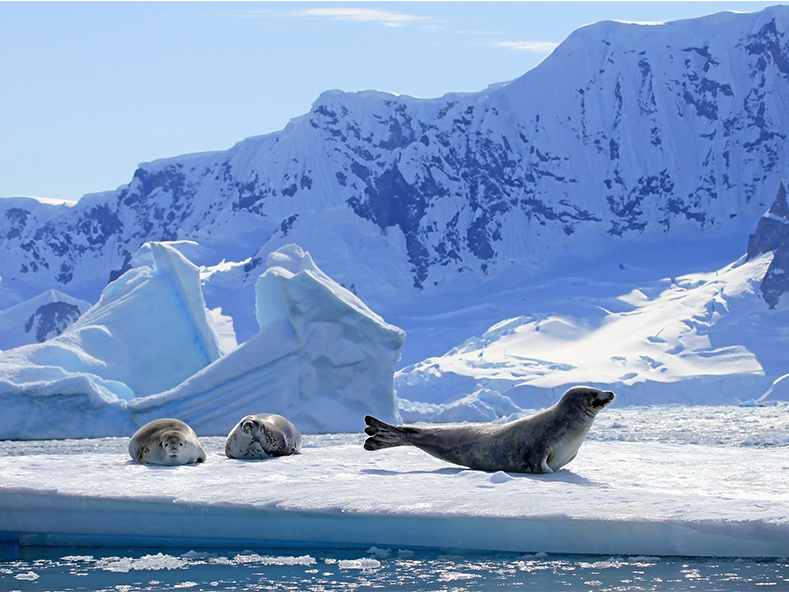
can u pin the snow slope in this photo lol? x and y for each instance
(702, 338)
(663, 497)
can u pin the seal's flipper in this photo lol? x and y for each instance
(382, 434)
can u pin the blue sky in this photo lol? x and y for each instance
(91, 89)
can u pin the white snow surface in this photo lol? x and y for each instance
(651, 481)
(150, 349)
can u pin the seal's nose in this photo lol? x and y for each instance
(602, 399)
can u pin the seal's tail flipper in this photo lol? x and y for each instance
(382, 435)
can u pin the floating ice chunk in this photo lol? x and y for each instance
(156, 562)
(322, 359)
(248, 557)
(363, 563)
(482, 405)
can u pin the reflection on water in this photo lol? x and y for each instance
(127, 570)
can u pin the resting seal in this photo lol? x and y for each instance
(262, 436)
(542, 443)
(166, 442)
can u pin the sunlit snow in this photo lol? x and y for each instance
(690, 339)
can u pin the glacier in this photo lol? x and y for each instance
(710, 337)
(702, 338)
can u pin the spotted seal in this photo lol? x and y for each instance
(166, 442)
(541, 443)
(262, 436)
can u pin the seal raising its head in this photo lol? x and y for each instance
(166, 442)
(262, 436)
(541, 443)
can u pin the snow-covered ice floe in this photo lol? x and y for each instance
(646, 495)
(149, 348)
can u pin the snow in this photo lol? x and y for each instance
(151, 349)
(650, 493)
(652, 132)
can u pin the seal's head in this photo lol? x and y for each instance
(250, 425)
(172, 444)
(587, 398)
(253, 435)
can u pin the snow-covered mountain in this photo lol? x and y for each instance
(625, 133)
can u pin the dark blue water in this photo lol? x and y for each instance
(128, 570)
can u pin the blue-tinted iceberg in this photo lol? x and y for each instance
(322, 359)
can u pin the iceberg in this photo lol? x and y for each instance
(149, 349)
(149, 331)
(321, 358)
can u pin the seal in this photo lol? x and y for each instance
(166, 442)
(541, 443)
(262, 436)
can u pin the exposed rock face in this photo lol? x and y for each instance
(624, 130)
(772, 234)
(50, 320)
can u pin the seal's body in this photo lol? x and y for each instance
(262, 436)
(166, 442)
(542, 443)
